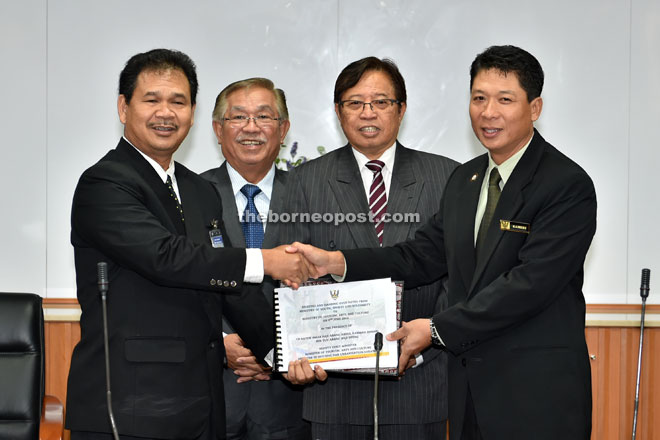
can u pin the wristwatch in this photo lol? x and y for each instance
(435, 337)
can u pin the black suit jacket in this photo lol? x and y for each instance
(276, 403)
(164, 301)
(515, 321)
(332, 184)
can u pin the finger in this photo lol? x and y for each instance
(403, 361)
(291, 249)
(397, 334)
(320, 373)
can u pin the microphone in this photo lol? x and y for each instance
(378, 346)
(644, 293)
(644, 288)
(104, 285)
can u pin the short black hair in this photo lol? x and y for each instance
(352, 74)
(508, 59)
(157, 60)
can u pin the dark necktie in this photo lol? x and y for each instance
(494, 192)
(253, 229)
(377, 197)
(173, 195)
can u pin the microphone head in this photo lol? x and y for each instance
(646, 281)
(378, 341)
(102, 276)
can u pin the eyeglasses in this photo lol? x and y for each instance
(260, 120)
(376, 104)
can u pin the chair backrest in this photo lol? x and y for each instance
(21, 365)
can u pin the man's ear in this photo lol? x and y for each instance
(122, 107)
(537, 108)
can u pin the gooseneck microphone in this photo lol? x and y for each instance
(644, 293)
(378, 346)
(102, 272)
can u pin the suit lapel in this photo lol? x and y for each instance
(191, 207)
(405, 189)
(147, 172)
(511, 201)
(349, 193)
(466, 211)
(230, 217)
(271, 237)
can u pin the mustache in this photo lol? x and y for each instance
(167, 124)
(243, 138)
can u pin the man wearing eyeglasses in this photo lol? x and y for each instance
(374, 175)
(250, 121)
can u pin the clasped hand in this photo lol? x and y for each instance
(296, 263)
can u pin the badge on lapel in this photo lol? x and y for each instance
(512, 226)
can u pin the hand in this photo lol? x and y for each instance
(300, 372)
(289, 266)
(320, 262)
(415, 336)
(242, 361)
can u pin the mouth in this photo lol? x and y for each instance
(369, 129)
(164, 129)
(251, 142)
(490, 132)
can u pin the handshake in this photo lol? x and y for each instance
(296, 263)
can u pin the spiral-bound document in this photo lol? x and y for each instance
(334, 324)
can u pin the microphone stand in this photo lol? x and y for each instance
(102, 270)
(644, 293)
(378, 346)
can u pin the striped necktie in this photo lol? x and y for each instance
(377, 197)
(253, 229)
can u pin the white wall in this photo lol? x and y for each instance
(62, 60)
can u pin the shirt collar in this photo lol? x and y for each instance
(506, 168)
(161, 172)
(238, 181)
(387, 158)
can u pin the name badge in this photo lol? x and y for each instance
(216, 236)
(510, 225)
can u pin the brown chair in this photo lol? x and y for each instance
(25, 413)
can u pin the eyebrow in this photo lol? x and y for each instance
(263, 107)
(158, 94)
(357, 96)
(506, 92)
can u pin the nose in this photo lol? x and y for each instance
(490, 109)
(164, 111)
(367, 111)
(251, 125)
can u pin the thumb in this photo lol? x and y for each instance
(398, 334)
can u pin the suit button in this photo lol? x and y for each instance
(225, 283)
(213, 282)
(212, 345)
(464, 362)
(233, 284)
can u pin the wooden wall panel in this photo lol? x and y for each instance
(613, 351)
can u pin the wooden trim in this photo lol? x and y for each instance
(60, 303)
(622, 308)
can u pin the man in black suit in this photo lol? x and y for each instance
(159, 228)
(374, 174)
(513, 242)
(250, 120)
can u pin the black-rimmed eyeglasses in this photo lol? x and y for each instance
(377, 104)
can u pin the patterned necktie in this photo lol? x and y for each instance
(494, 192)
(173, 195)
(377, 197)
(253, 229)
